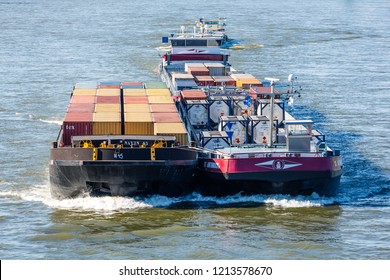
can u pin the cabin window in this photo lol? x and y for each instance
(196, 43)
(178, 43)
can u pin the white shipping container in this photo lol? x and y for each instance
(215, 68)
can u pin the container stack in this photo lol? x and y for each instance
(210, 74)
(183, 80)
(204, 81)
(165, 117)
(245, 80)
(224, 81)
(116, 108)
(137, 116)
(107, 114)
(215, 68)
(79, 115)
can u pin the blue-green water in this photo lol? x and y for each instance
(339, 51)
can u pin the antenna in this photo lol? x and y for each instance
(272, 80)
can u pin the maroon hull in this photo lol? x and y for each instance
(195, 57)
(271, 175)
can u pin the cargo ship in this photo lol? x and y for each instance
(206, 128)
(203, 28)
(121, 138)
(246, 140)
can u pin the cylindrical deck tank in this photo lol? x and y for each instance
(219, 106)
(236, 127)
(197, 112)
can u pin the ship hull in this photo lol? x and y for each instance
(74, 177)
(297, 176)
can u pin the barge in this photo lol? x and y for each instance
(247, 142)
(121, 138)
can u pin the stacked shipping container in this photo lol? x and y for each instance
(115, 108)
(79, 116)
(107, 114)
(211, 74)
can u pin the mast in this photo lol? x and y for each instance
(271, 110)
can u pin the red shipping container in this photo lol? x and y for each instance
(81, 108)
(83, 99)
(109, 86)
(166, 118)
(75, 129)
(198, 71)
(76, 124)
(107, 99)
(131, 84)
(136, 100)
(204, 81)
(226, 80)
(78, 117)
(193, 94)
(163, 108)
(263, 92)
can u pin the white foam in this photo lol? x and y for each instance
(57, 122)
(87, 203)
(286, 201)
(109, 204)
(292, 203)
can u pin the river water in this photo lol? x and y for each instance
(337, 49)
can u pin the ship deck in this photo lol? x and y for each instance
(256, 150)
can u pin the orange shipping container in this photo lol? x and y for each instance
(158, 92)
(78, 117)
(83, 99)
(107, 117)
(136, 108)
(246, 83)
(106, 128)
(166, 117)
(106, 123)
(193, 94)
(175, 129)
(109, 108)
(163, 108)
(81, 107)
(134, 92)
(160, 99)
(135, 99)
(108, 92)
(138, 124)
